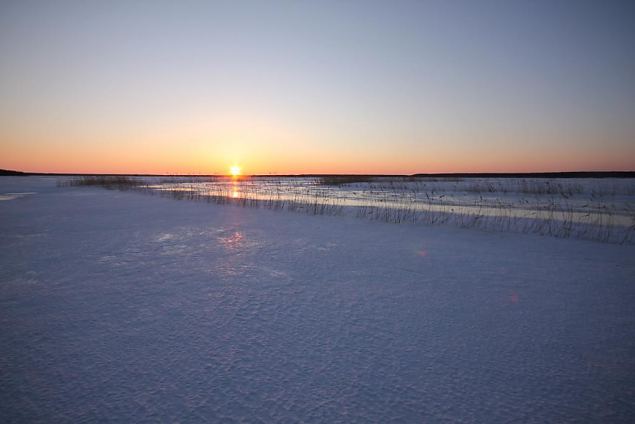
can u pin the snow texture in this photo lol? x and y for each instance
(121, 307)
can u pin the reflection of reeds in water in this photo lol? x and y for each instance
(547, 212)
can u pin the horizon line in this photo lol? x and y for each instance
(544, 174)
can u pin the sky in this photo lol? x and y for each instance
(392, 87)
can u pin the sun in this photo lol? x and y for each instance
(234, 170)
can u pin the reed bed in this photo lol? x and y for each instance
(549, 208)
(111, 182)
(596, 188)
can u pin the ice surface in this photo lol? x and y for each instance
(588, 208)
(129, 308)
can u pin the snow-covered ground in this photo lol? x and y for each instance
(123, 307)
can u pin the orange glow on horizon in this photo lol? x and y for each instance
(155, 156)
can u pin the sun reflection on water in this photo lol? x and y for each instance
(235, 189)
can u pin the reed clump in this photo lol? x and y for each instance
(111, 182)
(337, 180)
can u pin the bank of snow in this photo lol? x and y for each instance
(123, 307)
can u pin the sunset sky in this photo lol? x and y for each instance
(317, 86)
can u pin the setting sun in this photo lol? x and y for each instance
(234, 170)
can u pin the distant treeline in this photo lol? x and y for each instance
(578, 174)
(11, 172)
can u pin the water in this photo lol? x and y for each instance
(605, 202)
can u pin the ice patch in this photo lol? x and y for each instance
(165, 237)
(29, 278)
(274, 273)
(111, 260)
(12, 196)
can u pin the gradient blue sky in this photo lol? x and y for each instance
(291, 87)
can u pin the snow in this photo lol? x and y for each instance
(124, 307)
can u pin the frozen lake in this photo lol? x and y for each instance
(599, 209)
(123, 307)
